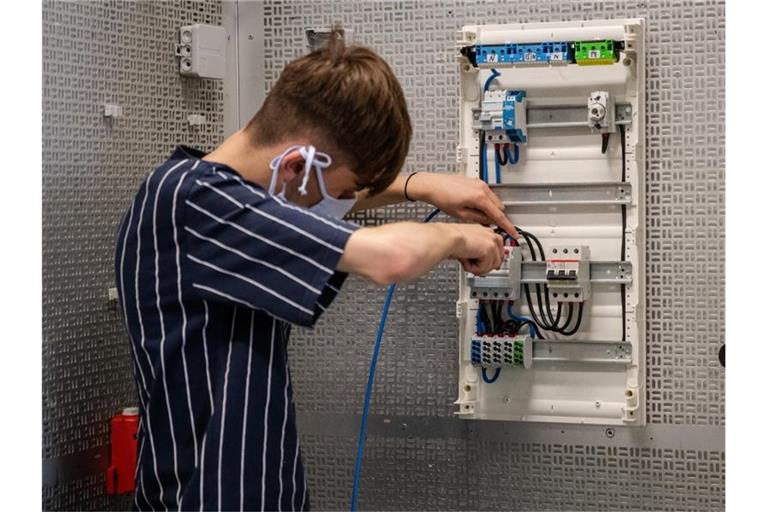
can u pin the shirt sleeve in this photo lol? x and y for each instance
(245, 247)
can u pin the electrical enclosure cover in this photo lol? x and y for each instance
(579, 189)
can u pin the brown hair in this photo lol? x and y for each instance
(346, 98)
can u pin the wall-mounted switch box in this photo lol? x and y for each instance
(201, 51)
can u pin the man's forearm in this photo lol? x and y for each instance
(391, 195)
(418, 190)
(399, 251)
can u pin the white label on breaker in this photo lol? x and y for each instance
(492, 57)
(530, 56)
(556, 56)
(594, 54)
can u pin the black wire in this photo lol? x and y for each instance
(482, 155)
(559, 312)
(491, 325)
(623, 235)
(502, 161)
(604, 148)
(578, 321)
(568, 318)
(484, 319)
(498, 322)
(548, 308)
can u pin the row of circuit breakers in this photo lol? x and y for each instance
(501, 122)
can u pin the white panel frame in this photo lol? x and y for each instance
(244, 84)
(566, 392)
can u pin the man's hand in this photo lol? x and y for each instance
(482, 251)
(464, 198)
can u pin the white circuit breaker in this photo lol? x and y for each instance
(567, 273)
(552, 117)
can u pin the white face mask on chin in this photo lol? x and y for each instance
(329, 206)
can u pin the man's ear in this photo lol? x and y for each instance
(291, 166)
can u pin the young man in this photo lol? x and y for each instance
(219, 254)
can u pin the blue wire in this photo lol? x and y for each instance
(369, 387)
(527, 321)
(497, 165)
(491, 78)
(492, 379)
(483, 163)
(479, 327)
(510, 160)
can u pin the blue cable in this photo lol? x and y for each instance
(479, 325)
(527, 321)
(510, 160)
(491, 380)
(491, 78)
(369, 387)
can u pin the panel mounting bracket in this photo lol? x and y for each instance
(520, 194)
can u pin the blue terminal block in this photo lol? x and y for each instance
(492, 54)
(524, 54)
(542, 53)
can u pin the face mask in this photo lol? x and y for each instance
(329, 206)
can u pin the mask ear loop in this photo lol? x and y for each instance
(308, 152)
(322, 162)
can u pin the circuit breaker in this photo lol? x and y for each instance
(552, 117)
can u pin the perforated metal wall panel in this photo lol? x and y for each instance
(95, 53)
(520, 468)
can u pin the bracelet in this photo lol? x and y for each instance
(405, 187)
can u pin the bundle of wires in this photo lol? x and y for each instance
(544, 319)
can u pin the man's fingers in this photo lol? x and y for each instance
(500, 219)
(495, 199)
(475, 216)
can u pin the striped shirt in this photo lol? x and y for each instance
(211, 271)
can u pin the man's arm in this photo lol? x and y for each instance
(406, 250)
(465, 198)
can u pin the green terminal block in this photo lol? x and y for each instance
(592, 53)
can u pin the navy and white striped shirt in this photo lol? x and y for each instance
(211, 271)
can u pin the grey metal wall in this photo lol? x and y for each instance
(97, 52)
(418, 456)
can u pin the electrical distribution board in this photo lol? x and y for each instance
(552, 117)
